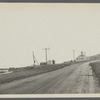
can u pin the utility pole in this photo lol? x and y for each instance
(89, 54)
(34, 59)
(46, 49)
(85, 53)
(73, 54)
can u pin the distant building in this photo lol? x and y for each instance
(43, 63)
(82, 57)
(49, 62)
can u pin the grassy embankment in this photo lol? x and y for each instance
(96, 69)
(20, 73)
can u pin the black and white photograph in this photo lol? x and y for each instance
(49, 48)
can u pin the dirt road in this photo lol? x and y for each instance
(76, 78)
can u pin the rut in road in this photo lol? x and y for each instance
(76, 82)
(50, 84)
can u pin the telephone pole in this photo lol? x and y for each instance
(89, 54)
(34, 59)
(73, 54)
(46, 49)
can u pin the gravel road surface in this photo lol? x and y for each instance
(76, 78)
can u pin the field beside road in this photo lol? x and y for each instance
(20, 73)
(96, 69)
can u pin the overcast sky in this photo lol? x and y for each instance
(61, 27)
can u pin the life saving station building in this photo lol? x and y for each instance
(82, 57)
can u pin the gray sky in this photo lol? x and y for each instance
(61, 27)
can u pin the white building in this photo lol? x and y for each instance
(49, 62)
(82, 57)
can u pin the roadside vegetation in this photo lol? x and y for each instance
(96, 69)
(20, 73)
(1, 72)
